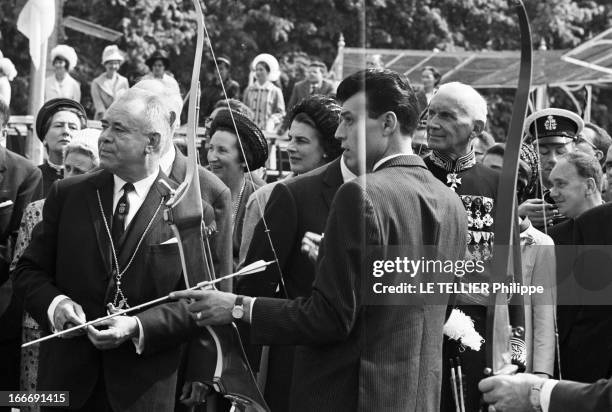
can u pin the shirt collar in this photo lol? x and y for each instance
(167, 160)
(346, 173)
(386, 159)
(141, 187)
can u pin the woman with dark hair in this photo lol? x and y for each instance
(431, 79)
(312, 124)
(231, 161)
(61, 84)
(56, 122)
(263, 97)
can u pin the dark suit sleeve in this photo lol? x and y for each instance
(35, 272)
(330, 313)
(581, 397)
(222, 206)
(281, 218)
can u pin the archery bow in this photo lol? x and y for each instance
(506, 230)
(226, 369)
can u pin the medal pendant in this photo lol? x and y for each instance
(453, 179)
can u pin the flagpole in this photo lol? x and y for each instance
(34, 148)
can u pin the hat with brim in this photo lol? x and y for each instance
(46, 112)
(112, 53)
(158, 55)
(252, 138)
(66, 52)
(554, 126)
(225, 60)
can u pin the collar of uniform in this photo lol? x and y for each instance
(445, 162)
(346, 173)
(141, 187)
(167, 160)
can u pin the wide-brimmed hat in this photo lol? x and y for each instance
(66, 52)
(46, 112)
(252, 138)
(554, 126)
(112, 52)
(158, 55)
(7, 68)
(272, 64)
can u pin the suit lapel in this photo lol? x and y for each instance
(2, 164)
(332, 180)
(149, 210)
(102, 183)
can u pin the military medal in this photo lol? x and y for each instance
(454, 180)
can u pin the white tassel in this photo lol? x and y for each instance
(460, 327)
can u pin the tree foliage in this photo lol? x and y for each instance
(296, 31)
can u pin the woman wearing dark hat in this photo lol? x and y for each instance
(312, 124)
(228, 162)
(158, 65)
(55, 122)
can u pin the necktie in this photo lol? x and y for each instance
(121, 211)
(313, 88)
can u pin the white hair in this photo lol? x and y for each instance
(170, 95)
(473, 102)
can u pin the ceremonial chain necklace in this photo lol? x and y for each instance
(453, 166)
(237, 205)
(120, 301)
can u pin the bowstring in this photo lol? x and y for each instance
(540, 178)
(257, 198)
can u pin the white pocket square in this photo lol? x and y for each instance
(170, 241)
(6, 203)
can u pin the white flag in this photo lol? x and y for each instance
(36, 22)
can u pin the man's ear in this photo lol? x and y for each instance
(389, 123)
(599, 155)
(153, 142)
(591, 187)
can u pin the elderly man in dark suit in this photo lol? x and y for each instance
(357, 357)
(103, 244)
(19, 180)
(313, 84)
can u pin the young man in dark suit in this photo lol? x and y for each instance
(313, 84)
(357, 357)
(103, 244)
(19, 180)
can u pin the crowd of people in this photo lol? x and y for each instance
(378, 169)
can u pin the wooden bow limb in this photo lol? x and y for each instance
(505, 260)
(255, 267)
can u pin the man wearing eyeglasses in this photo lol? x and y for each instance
(594, 141)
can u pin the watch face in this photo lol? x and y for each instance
(237, 312)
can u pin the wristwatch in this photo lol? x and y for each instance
(238, 309)
(534, 396)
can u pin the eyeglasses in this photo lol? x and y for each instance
(582, 139)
